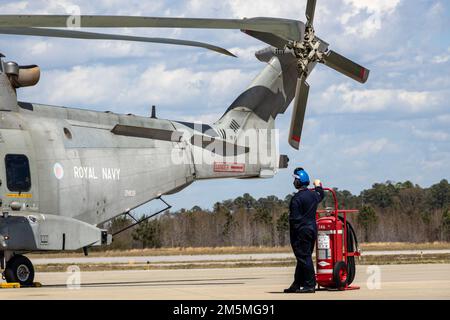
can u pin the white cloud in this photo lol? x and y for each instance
(123, 88)
(204, 118)
(86, 6)
(436, 10)
(374, 13)
(442, 58)
(243, 8)
(432, 135)
(80, 85)
(14, 7)
(444, 118)
(199, 7)
(41, 48)
(289, 9)
(438, 161)
(342, 98)
(373, 7)
(369, 147)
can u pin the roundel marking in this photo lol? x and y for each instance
(58, 170)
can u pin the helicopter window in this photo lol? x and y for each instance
(17, 172)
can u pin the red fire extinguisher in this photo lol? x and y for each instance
(336, 248)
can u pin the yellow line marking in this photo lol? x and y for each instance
(21, 195)
(9, 285)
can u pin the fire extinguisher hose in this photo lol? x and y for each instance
(352, 246)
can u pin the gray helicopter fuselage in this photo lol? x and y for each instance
(80, 169)
(64, 171)
(82, 172)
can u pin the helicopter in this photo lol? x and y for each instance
(64, 172)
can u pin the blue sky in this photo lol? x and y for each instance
(395, 127)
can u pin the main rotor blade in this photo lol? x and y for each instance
(55, 33)
(268, 38)
(345, 66)
(298, 113)
(310, 10)
(289, 29)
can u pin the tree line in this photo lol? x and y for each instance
(389, 211)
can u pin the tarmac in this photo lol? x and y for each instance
(209, 257)
(419, 281)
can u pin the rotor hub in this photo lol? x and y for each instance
(306, 51)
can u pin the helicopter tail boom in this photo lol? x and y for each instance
(271, 91)
(246, 135)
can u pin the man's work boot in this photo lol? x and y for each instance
(306, 290)
(292, 289)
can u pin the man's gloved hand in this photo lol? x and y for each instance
(317, 183)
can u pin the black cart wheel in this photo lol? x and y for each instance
(19, 269)
(340, 274)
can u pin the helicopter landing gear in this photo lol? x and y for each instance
(19, 269)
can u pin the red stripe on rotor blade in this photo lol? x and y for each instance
(362, 73)
(296, 138)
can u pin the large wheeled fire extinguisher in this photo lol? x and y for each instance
(336, 248)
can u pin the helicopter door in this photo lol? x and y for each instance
(17, 169)
(18, 176)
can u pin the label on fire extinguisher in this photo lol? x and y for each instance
(323, 241)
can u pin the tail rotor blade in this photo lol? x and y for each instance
(345, 66)
(310, 10)
(298, 113)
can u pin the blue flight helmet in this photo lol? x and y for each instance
(302, 177)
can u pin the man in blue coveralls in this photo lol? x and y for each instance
(303, 231)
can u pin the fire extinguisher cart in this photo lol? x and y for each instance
(336, 248)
